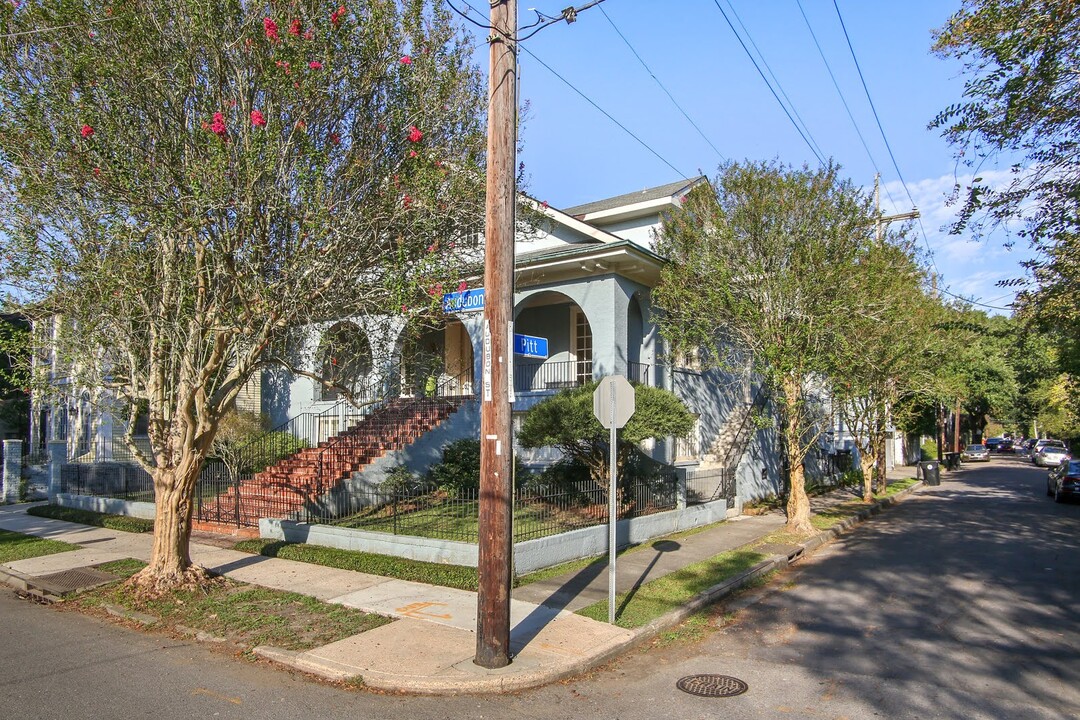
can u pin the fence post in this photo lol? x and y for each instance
(12, 470)
(57, 455)
(680, 488)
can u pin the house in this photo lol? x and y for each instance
(583, 286)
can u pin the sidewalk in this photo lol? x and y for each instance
(430, 647)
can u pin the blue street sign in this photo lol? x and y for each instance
(464, 301)
(529, 346)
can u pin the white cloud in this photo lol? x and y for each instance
(966, 267)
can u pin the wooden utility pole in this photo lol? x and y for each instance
(880, 221)
(496, 444)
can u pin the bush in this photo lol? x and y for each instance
(928, 451)
(460, 468)
(399, 481)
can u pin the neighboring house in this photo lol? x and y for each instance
(584, 280)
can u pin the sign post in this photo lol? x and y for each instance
(613, 405)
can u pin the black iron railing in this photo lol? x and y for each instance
(531, 377)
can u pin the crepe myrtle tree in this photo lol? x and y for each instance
(186, 183)
(767, 261)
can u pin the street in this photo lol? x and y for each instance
(960, 602)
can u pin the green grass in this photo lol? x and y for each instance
(245, 615)
(123, 523)
(455, 576)
(659, 597)
(16, 546)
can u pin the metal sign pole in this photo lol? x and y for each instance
(611, 513)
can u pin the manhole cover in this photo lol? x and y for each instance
(70, 581)
(712, 685)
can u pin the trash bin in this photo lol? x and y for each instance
(952, 461)
(931, 472)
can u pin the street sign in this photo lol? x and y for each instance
(529, 346)
(613, 414)
(464, 301)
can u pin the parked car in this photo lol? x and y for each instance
(1050, 453)
(1063, 482)
(1005, 446)
(992, 443)
(975, 453)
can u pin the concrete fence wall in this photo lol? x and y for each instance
(106, 505)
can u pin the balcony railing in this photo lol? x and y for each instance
(532, 377)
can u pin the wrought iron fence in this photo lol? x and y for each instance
(704, 486)
(123, 481)
(540, 510)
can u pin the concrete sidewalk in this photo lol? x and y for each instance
(430, 647)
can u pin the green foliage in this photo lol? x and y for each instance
(1020, 59)
(124, 523)
(566, 421)
(399, 479)
(191, 185)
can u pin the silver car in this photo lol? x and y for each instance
(975, 453)
(1050, 454)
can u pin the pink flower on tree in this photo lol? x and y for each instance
(257, 119)
(218, 125)
(315, 65)
(463, 286)
(406, 201)
(308, 35)
(412, 153)
(406, 60)
(86, 131)
(270, 27)
(414, 134)
(335, 17)
(335, 138)
(295, 28)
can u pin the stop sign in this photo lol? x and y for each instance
(618, 388)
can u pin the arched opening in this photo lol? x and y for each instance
(436, 359)
(344, 361)
(561, 321)
(636, 369)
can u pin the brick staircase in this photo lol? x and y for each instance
(310, 474)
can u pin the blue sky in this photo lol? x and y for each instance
(574, 154)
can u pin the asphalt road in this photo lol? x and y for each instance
(961, 602)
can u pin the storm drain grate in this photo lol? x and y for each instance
(69, 581)
(712, 685)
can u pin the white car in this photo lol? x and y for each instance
(1050, 454)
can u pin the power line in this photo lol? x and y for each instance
(843, 100)
(775, 79)
(585, 97)
(773, 91)
(869, 99)
(662, 87)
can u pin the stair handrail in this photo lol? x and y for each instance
(438, 397)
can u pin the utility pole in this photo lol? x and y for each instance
(496, 444)
(880, 221)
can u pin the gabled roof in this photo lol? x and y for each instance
(648, 194)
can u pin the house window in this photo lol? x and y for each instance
(687, 448)
(689, 359)
(583, 346)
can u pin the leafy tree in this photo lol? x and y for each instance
(566, 421)
(884, 351)
(187, 183)
(1021, 105)
(768, 263)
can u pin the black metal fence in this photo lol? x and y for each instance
(704, 486)
(122, 481)
(540, 510)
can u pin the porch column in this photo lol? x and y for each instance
(57, 456)
(12, 470)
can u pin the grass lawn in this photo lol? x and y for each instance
(124, 523)
(654, 599)
(244, 615)
(455, 576)
(16, 546)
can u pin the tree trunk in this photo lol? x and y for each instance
(798, 504)
(867, 465)
(881, 465)
(170, 564)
